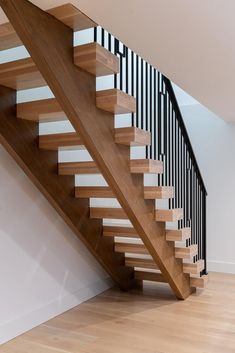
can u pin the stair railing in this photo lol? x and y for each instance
(158, 112)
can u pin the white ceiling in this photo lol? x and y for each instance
(191, 42)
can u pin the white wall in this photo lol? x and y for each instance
(45, 269)
(213, 141)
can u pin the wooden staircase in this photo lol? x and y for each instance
(144, 250)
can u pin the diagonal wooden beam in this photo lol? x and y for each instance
(50, 44)
(20, 139)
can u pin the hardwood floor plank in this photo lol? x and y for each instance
(136, 322)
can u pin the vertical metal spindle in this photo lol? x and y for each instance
(137, 92)
(126, 51)
(155, 102)
(132, 85)
(95, 34)
(150, 152)
(146, 102)
(142, 93)
(102, 37)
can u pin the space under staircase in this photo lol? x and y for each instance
(157, 231)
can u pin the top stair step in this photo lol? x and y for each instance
(96, 60)
(68, 14)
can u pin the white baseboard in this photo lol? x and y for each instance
(14, 328)
(220, 266)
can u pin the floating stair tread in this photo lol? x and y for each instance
(93, 191)
(118, 231)
(131, 248)
(8, 37)
(68, 14)
(158, 192)
(141, 166)
(194, 268)
(107, 212)
(186, 252)
(65, 140)
(169, 215)
(141, 263)
(199, 282)
(73, 168)
(72, 17)
(96, 60)
(45, 110)
(132, 136)
(178, 234)
(115, 101)
(21, 74)
(149, 276)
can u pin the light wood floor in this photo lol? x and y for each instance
(136, 322)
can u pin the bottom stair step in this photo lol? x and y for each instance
(199, 282)
(149, 276)
(142, 263)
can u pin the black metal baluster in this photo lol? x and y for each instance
(138, 112)
(133, 123)
(158, 112)
(155, 102)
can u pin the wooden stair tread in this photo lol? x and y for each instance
(119, 231)
(141, 166)
(178, 234)
(199, 282)
(72, 17)
(131, 248)
(21, 74)
(115, 101)
(149, 276)
(64, 140)
(45, 110)
(68, 14)
(132, 136)
(194, 268)
(141, 263)
(158, 192)
(95, 59)
(93, 192)
(106, 192)
(186, 252)
(107, 212)
(73, 168)
(169, 215)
